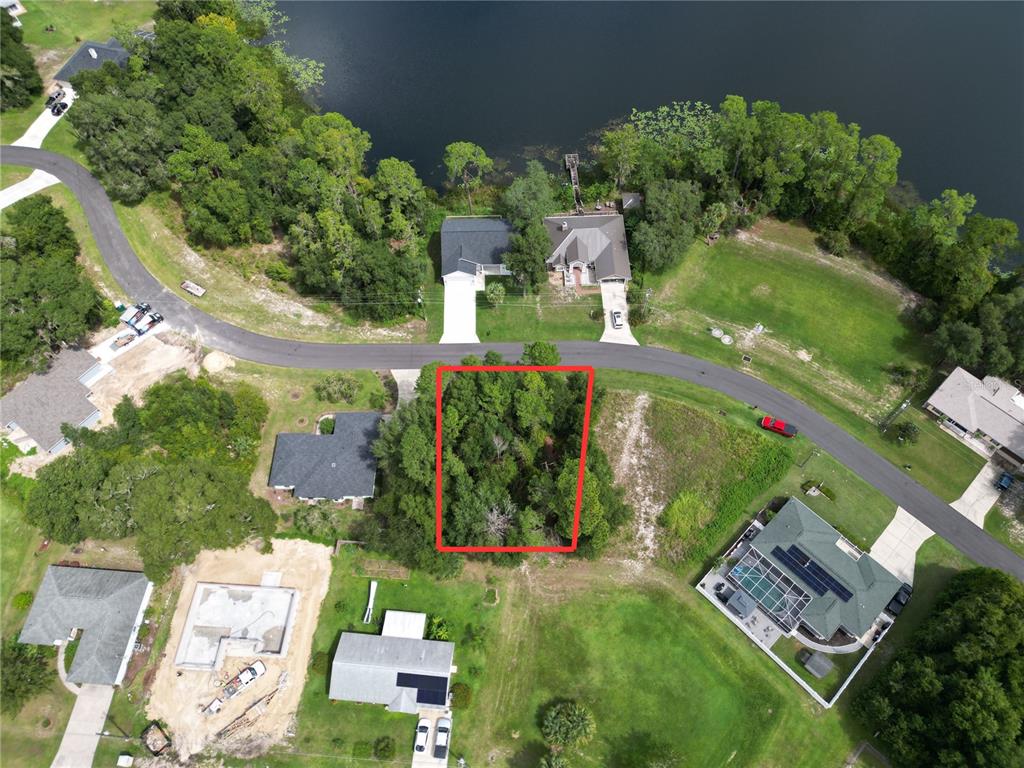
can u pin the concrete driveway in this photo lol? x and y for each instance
(980, 496)
(36, 181)
(459, 312)
(42, 125)
(613, 298)
(896, 549)
(427, 759)
(85, 727)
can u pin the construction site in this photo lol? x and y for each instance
(239, 647)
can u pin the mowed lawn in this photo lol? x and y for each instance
(657, 669)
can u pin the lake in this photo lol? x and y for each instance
(945, 81)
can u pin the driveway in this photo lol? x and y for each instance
(613, 298)
(459, 312)
(896, 549)
(36, 181)
(427, 759)
(42, 125)
(140, 285)
(980, 496)
(85, 727)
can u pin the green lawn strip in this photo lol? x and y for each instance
(12, 174)
(294, 406)
(1009, 530)
(14, 122)
(329, 730)
(788, 649)
(63, 140)
(31, 738)
(237, 291)
(540, 316)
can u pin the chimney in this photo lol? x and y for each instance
(92, 52)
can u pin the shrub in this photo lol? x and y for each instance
(327, 425)
(337, 388)
(438, 628)
(279, 271)
(28, 669)
(491, 596)
(22, 601)
(462, 695)
(834, 241)
(340, 606)
(495, 294)
(686, 514)
(143, 632)
(568, 724)
(338, 743)
(378, 400)
(320, 521)
(384, 748)
(320, 663)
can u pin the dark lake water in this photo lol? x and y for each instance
(945, 81)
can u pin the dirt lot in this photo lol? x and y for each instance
(178, 696)
(139, 368)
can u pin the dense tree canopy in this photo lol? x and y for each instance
(511, 458)
(174, 473)
(27, 670)
(47, 300)
(466, 164)
(221, 121)
(954, 697)
(19, 78)
(525, 203)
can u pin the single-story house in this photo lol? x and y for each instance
(473, 247)
(91, 55)
(404, 673)
(339, 466)
(803, 573)
(35, 409)
(105, 606)
(989, 409)
(589, 249)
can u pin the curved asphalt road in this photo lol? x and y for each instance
(139, 284)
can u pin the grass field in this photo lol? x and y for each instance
(12, 174)
(788, 649)
(832, 328)
(1007, 527)
(540, 316)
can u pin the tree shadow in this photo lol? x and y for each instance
(638, 749)
(434, 254)
(528, 755)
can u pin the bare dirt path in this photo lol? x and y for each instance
(178, 696)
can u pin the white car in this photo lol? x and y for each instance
(616, 319)
(148, 321)
(444, 734)
(422, 734)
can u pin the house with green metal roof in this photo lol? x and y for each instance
(803, 572)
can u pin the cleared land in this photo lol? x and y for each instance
(178, 695)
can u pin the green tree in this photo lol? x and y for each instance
(959, 343)
(63, 489)
(529, 198)
(381, 284)
(620, 152)
(19, 78)
(672, 212)
(528, 253)
(28, 669)
(567, 725)
(401, 192)
(952, 696)
(495, 293)
(46, 302)
(467, 163)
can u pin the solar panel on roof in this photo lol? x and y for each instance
(816, 577)
(809, 579)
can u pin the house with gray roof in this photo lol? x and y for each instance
(589, 249)
(473, 247)
(339, 466)
(405, 674)
(803, 573)
(990, 410)
(34, 411)
(90, 56)
(104, 606)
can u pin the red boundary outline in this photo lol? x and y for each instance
(441, 370)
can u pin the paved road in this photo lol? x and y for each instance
(142, 286)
